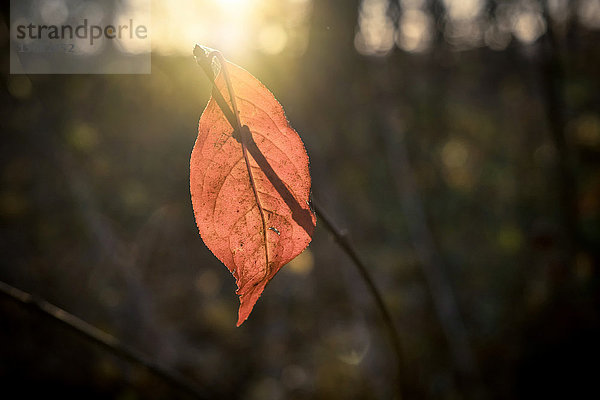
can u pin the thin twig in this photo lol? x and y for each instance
(342, 240)
(103, 339)
(204, 60)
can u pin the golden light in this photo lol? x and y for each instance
(223, 24)
(272, 39)
(231, 5)
(238, 28)
(302, 264)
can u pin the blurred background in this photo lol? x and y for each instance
(457, 142)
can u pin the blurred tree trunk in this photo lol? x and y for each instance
(431, 261)
(553, 83)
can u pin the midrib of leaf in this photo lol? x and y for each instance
(243, 139)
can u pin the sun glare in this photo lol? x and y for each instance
(223, 24)
(233, 3)
(238, 28)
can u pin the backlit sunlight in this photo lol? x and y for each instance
(236, 27)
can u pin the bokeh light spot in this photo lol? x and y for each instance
(272, 39)
(529, 26)
(414, 33)
(19, 86)
(302, 264)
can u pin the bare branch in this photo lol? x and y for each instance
(103, 339)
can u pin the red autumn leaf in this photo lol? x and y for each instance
(250, 187)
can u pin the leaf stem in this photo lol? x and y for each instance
(103, 339)
(243, 139)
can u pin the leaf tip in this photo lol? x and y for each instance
(243, 314)
(248, 298)
(197, 50)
